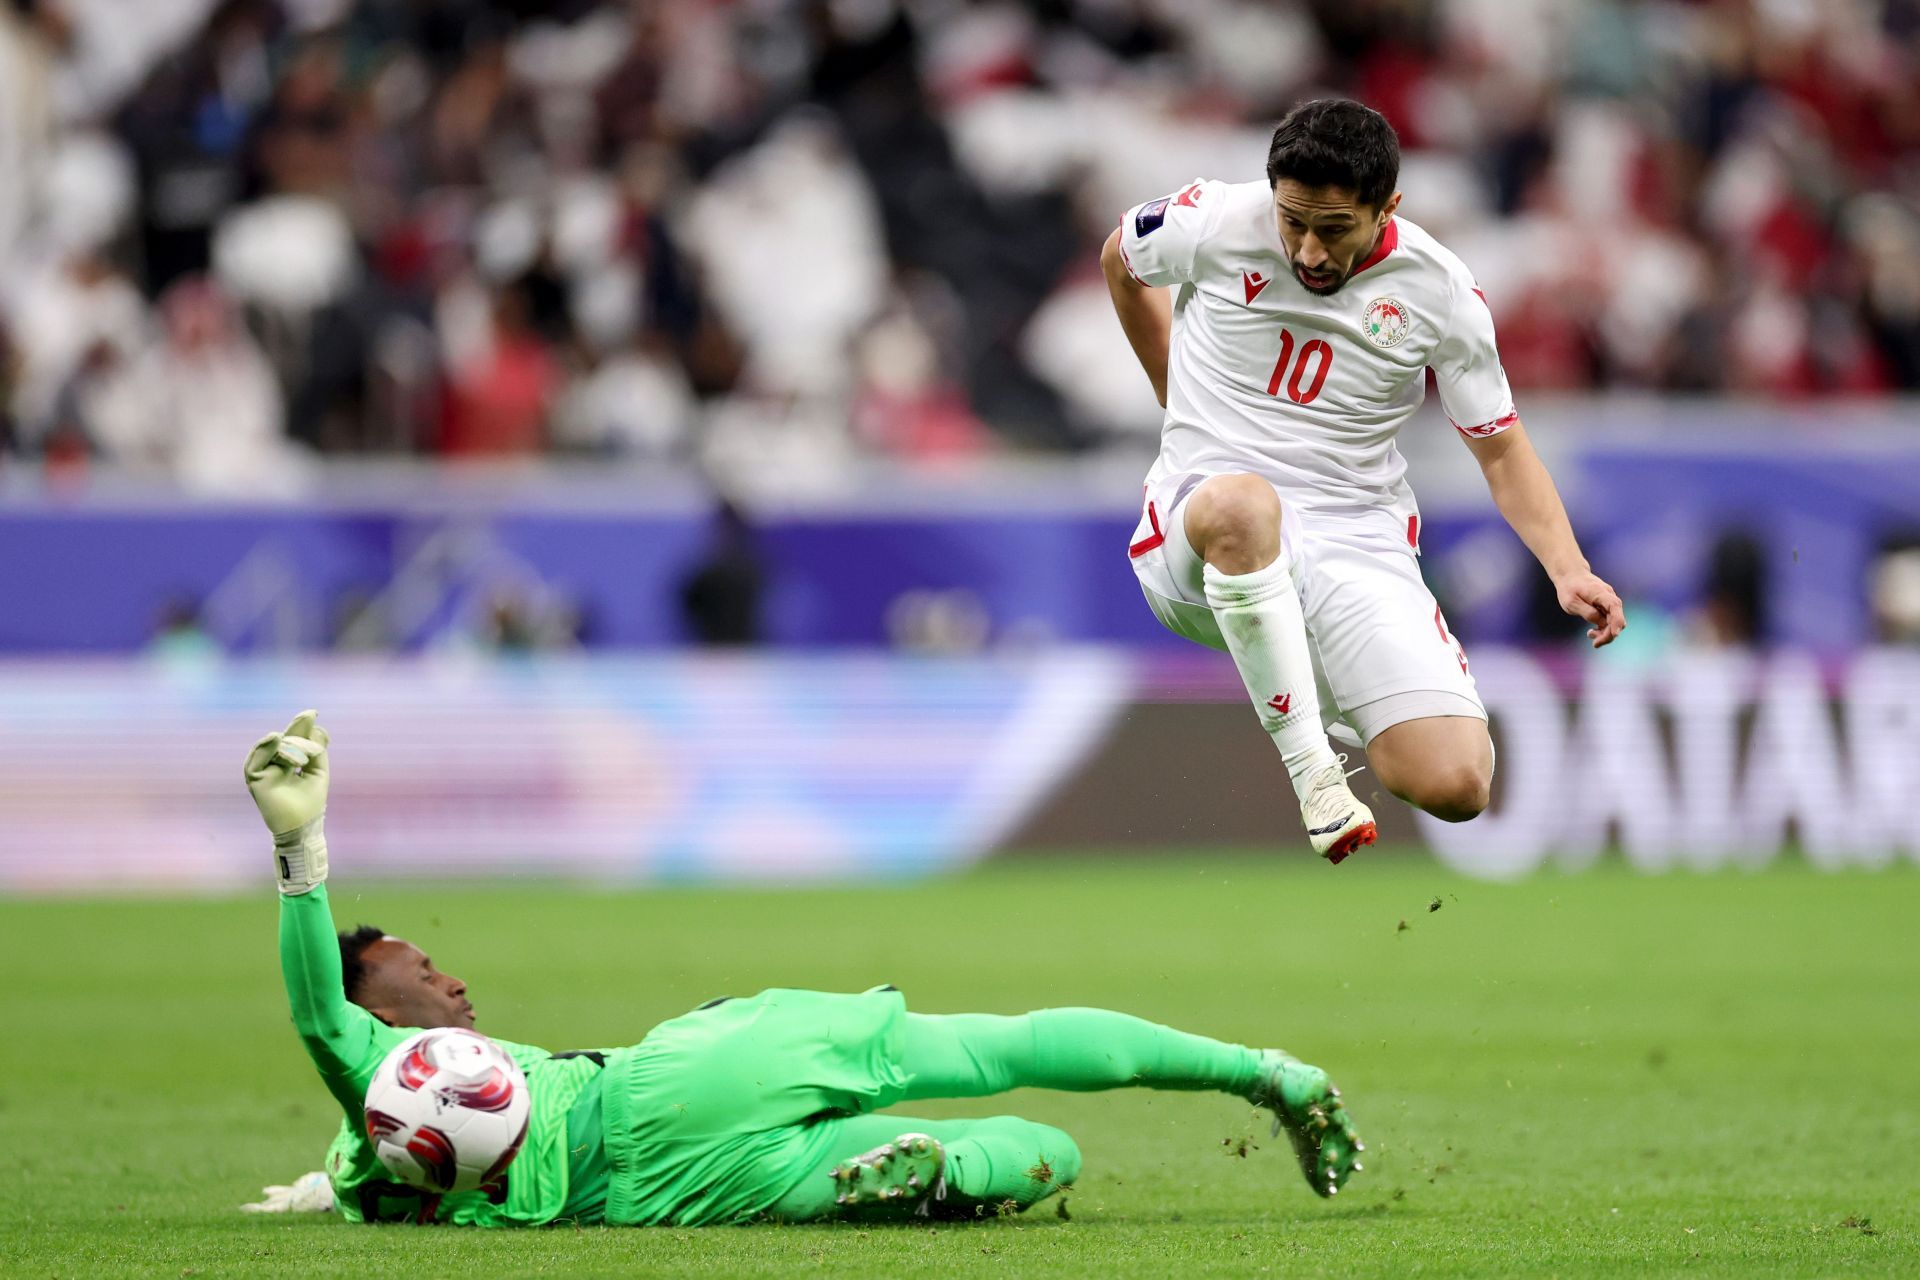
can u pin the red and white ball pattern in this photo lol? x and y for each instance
(447, 1111)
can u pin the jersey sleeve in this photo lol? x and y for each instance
(1160, 239)
(1473, 386)
(345, 1042)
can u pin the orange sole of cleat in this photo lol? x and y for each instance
(1359, 838)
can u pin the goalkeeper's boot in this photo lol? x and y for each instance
(1337, 822)
(913, 1167)
(1308, 1107)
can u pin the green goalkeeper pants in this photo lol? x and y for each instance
(1005, 1160)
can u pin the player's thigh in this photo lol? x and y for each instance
(1380, 638)
(1166, 567)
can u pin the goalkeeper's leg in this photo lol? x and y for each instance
(970, 1055)
(897, 1166)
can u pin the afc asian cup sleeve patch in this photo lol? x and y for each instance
(1150, 217)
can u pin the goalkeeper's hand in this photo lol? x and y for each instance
(287, 774)
(310, 1193)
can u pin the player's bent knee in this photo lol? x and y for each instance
(1047, 1158)
(1056, 1160)
(1234, 519)
(1062, 1154)
(1457, 794)
(1240, 505)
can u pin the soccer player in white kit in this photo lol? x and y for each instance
(1288, 327)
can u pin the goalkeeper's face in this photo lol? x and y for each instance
(400, 986)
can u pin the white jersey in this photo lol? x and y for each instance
(1304, 390)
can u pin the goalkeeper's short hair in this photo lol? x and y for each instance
(353, 949)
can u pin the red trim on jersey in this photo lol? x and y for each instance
(1459, 650)
(1389, 241)
(1493, 428)
(1413, 532)
(1127, 262)
(1152, 540)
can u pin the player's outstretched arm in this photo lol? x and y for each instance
(1146, 314)
(287, 774)
(1526, 496)
(287, 777)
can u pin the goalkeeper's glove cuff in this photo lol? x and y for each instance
(300, 856)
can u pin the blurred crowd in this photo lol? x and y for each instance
(790, 233)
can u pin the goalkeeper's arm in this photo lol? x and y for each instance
(287, 773)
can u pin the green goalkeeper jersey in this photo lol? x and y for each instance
(712, 1117)
(562, 1168)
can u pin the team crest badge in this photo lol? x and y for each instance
(1386, 323)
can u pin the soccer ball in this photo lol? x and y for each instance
(447, 1110)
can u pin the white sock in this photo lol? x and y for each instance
(1259, 616)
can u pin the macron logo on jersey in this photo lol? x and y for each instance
(1190, 197)
(1253, 282)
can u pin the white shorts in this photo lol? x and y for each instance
(1382, 653)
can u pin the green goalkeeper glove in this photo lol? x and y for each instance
(287, 774)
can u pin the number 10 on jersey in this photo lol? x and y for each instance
(1316, 354)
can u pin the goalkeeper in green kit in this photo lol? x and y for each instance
(760, 1108)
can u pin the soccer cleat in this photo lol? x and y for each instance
(1337, 822)
(1308, 1107)
(913, 1167)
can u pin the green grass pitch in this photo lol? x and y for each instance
(1576, 1075)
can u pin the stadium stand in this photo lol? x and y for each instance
(255, 231)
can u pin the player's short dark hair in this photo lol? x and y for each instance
(353, 950)
(1331, 142)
